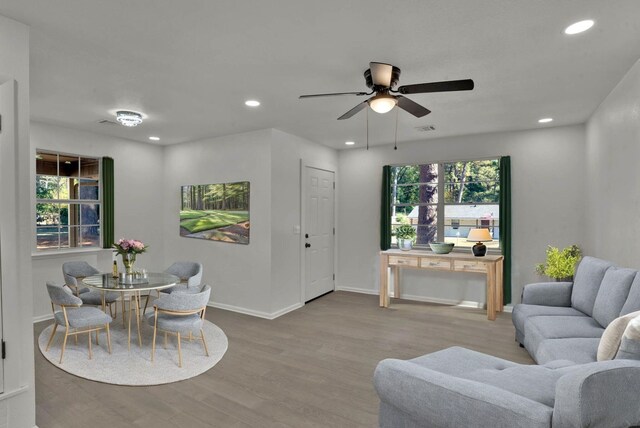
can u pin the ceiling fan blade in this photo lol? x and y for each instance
(333, 94)
(354, 110)
(449, 85)
(381, 73)
(412, 107)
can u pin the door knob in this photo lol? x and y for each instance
(307, 245)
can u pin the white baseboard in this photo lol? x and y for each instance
(41, 318)
(259, 314)
(357, 290)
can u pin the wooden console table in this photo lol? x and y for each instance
(489, 265)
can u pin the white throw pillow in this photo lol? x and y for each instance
(610, 340)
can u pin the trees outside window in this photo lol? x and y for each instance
(470, 199)
(67, 201)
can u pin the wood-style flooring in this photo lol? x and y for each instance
(310, 368)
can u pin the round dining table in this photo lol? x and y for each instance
(133, 284)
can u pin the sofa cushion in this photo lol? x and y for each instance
(456, 361)
(538, 329)
(610, 340)
(538, 383)
(633, 300)
(587, 282)
(579, 350)
(522, 312)
(612, 294)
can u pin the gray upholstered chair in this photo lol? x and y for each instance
(190, 274)
(76, 271)
(75, 318)
(180, 313)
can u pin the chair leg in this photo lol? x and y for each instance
(97, 340)
(75, 337)
(146, 303)
(204, 343)
(64, 343)
(90, 345)
(53, 332)
(153, 345)
(108, 337)
(179, 352)
(165, 340)
(190, 336)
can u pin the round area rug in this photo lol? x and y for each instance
(134, 368)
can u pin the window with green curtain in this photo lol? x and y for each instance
(505, 220)
(385, 209)
(107, 203)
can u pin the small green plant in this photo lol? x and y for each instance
(405, 231)
(402, 219)
(560, 264)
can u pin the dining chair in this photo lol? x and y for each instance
(75, 318)
(179, 314)
(76, 271)
(190, 274)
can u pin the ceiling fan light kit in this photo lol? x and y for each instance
(382, 103)
(128, 118)
(381, 78)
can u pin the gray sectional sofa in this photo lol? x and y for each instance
(560, 324)
(564, 320)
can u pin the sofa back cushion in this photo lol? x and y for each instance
(612, 294)
(589, 275)
(633, 300)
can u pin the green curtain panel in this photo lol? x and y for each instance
(505, 223)
(385, 209)
(107, 203)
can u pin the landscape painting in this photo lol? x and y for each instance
(217, 212)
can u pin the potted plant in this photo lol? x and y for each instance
(560, 264)
(405, 234)
(129, 249)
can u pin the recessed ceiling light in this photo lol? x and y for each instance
(252, 103)
(349, 143)
(128, 118)
(545, 120)
(154, 138)
(579, 27)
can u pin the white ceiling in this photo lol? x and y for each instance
(189, 65)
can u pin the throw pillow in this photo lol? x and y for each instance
(612, 336)
(630, 345)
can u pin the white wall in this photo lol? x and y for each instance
(262, 278)
(138, 202)
(547, 168)
(613, 176)
(17, 402)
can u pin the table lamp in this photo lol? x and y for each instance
(480, 236)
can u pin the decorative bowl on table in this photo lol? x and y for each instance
(441, 247)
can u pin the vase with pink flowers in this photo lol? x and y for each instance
(129, 249)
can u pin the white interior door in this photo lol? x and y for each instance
(319, 232)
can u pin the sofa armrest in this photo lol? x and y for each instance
(548, 294)
(436, 399)
(602, 394)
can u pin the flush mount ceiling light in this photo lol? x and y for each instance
(349, 143)
(154, 138)
(252, 103)
(128, 118)
(545, 120)
(383, 103)
(579, 27)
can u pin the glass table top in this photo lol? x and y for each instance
(153, 281)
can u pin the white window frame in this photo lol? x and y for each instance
(79, 202)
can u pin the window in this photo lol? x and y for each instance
(67, 201)
(444, 201)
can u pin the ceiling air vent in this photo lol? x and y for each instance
(425, 128)
(107, 122)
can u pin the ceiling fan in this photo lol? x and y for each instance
(381, 78)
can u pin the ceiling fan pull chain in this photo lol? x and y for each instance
(367, 129)
(395, 145)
